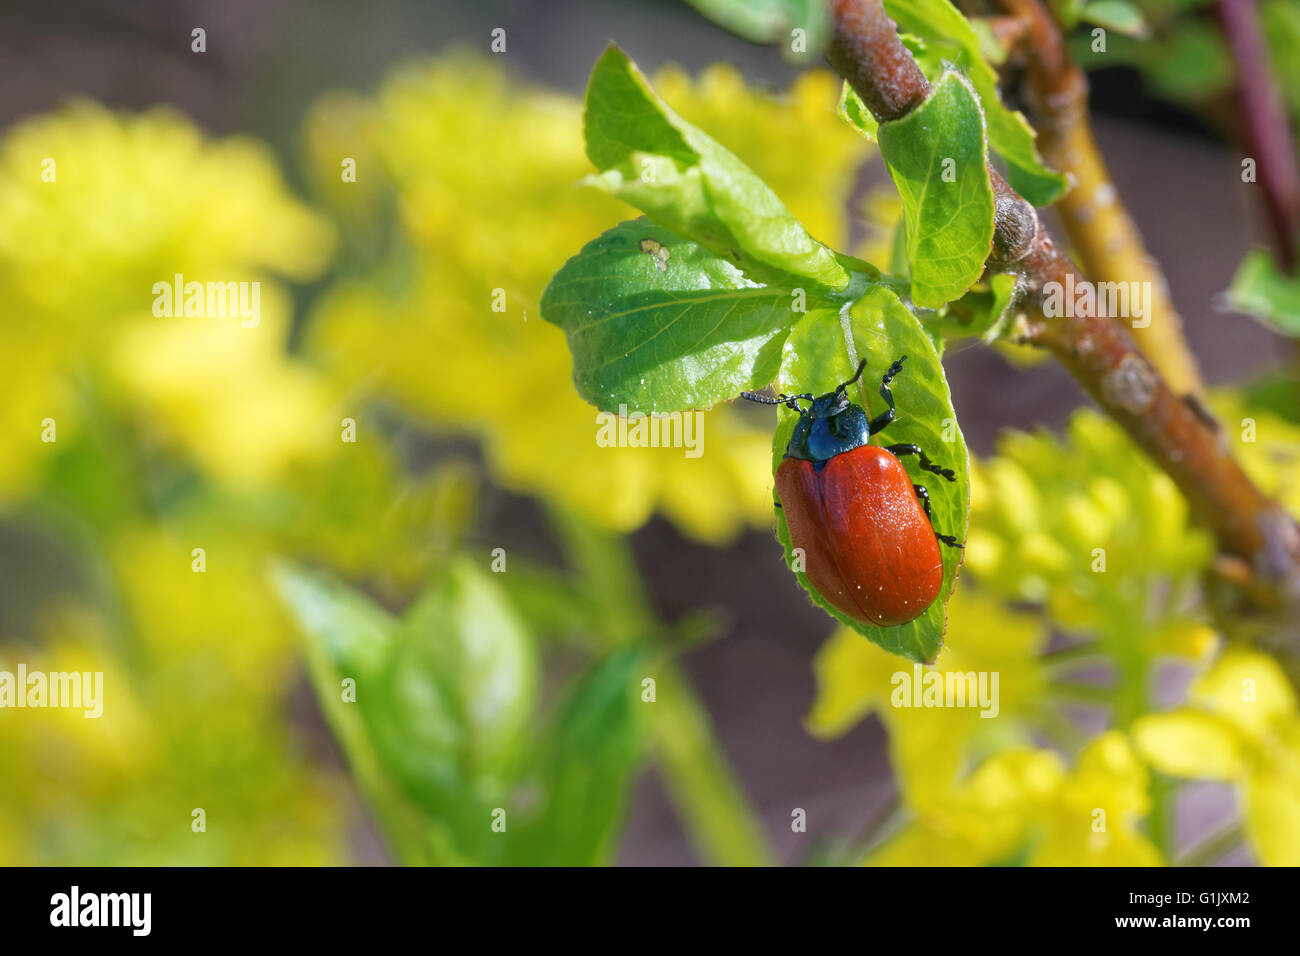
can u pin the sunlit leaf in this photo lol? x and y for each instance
(679, 176)
(1261, 290)
(939, 24)
(816, 360)
(659, 324)
(772, 21)
(937, 158)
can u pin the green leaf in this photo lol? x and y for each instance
(1118, 15)
(462, 682)
(355, 634)
(659, 324)
(348, 637)
(938, 159)
(1260, 290)
(587, 759)
(815, 360)
(1191, 64)
(652, 158)
(983, 312)
(1280, 24)
(854, 112)
(443, 701)
(955, 43)
(772, 21)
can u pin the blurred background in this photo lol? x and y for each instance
(377, 295)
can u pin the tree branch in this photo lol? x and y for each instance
(1265, 132)
(1097, 224)
(1177, 433)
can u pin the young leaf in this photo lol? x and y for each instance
(772, 21)
(854, 112)
(659, 324)
(444, 698)
(652, 158)
(1261, 290)
(1118, 15)
(953, 41)
(815, 360)
(937, 157)
(984, 311)
(586, 760)
(348, 638)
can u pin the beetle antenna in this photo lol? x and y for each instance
(856, 375)
(782, 399)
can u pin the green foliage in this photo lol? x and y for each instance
(1181, 57)
(951, 41)
(815, 361)
(652, 158)
(1118, 15)
(854, 112)
(1261, 290)
(937, 156)
(710, 300)
(771, 21)
(1280, 23)
(646, 312)
(444, 729)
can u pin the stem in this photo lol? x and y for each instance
(1074, 655)
(883, 825)
(1179, 435)
(1215, 847)
(1096, 695)
(713, 807)
(722, 826)
(1265, 131)
(1161, 823)
(604, 563)
(1097, 224)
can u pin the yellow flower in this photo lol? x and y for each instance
(226, 394)
(1267, 445)
(1084, 525)
(1094, 818)
(98, 209)
(451, 329)
(1022, 806)
(1241, 724)
(932, 747)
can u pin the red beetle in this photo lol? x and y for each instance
(864, 528)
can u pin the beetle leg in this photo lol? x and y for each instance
(926, 463)
(924, 496)
(887, 416)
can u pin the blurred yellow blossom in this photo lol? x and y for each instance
(1266, 444)
(225, 394)
(449, 326)
(1084, 525)
(1241, 724)
(932, 747)
(100, 207)
(1022, 806)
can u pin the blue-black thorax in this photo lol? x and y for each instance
(832, 426)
